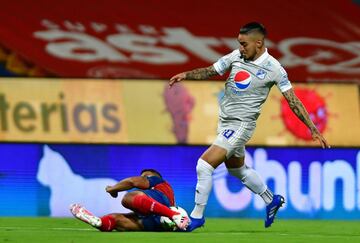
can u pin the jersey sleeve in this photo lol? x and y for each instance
(154, 180)
(224, 63)
(282, 81)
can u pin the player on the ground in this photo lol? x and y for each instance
(253, 71)
(149, 202)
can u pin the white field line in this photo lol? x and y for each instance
(41, 228)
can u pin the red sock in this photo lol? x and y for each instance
(146, 205)
(108, 223)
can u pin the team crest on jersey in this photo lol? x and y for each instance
(242, 79)
(261, 74)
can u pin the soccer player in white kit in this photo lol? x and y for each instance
(253, 71)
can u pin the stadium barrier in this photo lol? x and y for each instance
(42, 180)
(138, 111)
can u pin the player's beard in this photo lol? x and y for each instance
(247, 58)
(243, 57)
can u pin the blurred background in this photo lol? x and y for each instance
(84, 102)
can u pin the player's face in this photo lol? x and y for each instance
(249, 46)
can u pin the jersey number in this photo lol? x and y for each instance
(228, 133)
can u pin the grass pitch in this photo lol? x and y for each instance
(216, 230)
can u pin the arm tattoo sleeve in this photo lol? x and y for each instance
(298, 108)
(201, 73)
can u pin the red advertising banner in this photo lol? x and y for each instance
(316, 41)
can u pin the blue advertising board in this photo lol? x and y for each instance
(42, 180)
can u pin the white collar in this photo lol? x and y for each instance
(261, 58)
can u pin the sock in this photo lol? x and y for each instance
(108, 223)
(267, 196)
(203, 187)
(146, 205)
(252, 180)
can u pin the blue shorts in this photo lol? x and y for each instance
(152, 222)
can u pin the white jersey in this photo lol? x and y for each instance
(248, 86)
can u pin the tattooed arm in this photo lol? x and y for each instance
(196, 74)
(299, 110)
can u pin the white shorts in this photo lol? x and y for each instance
(233, 138)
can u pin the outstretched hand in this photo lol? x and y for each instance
(109, 190)
(317, 136)
(176, 78)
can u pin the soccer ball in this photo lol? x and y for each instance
(167, 223)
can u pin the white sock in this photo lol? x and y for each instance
(203, 187)
(267, 195)
(252, 180)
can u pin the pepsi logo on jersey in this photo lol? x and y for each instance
(242, 79)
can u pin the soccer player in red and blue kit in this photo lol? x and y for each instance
(150, 200)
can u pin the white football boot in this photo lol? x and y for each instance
(181, 221)
(84, 215)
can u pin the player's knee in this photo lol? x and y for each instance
(203, 168)
(240, 173)
(235, 162)
(128, 199)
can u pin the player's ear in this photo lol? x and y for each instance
(259, 43)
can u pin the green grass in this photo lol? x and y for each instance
(216, 230)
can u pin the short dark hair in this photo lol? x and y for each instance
(253, 27)
(151, 170)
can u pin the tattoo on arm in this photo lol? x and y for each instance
(298, 108)
(201, 73)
